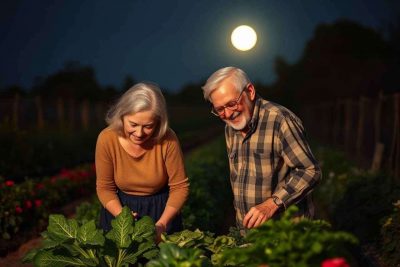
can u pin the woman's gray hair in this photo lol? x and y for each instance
(143, 96)
(237, 76)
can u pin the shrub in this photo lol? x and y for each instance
(390, 236)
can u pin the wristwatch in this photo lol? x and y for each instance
(277, 201)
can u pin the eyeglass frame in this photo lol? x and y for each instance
(230, 107)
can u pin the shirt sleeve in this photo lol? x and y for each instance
(105, 185)
(294, 149)
(178, 182)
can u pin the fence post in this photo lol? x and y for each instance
(394, 157)
(360, 125)
(347, 124)
(377, 120)
(71, 114)
(85, 115)
(39, 113)
(60, 113)
(337, 122)
(379, 146)
(378, 155)
(325, 121)
(15, 111)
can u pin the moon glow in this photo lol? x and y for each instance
(244, 38)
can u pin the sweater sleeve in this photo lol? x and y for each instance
(178, 182)
(105, 185)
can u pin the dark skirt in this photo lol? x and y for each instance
(152, 205)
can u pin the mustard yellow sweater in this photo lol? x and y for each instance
(161, 165)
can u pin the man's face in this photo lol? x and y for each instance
(241, 115)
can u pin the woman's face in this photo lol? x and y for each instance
(139, 127)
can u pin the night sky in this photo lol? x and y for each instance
(171, 43)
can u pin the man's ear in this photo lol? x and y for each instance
(251, 91)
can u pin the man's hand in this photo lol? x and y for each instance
(260, 214)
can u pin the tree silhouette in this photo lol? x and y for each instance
(73, 81)
(343, 59)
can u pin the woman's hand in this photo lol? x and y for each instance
(160, 228)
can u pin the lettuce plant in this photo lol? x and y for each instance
(285, 242)
(171, 255)
(205, 242)
(67, 243)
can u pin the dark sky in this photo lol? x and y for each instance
(171, 43)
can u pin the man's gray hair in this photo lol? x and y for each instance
(143, 96)
(237, 76)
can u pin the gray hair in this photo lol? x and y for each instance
(138, 98)
(238, 77)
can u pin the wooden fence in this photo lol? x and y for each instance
(40, 113)
(367, 129)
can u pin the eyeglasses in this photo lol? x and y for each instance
(231, 105)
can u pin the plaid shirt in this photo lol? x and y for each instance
(273, 158)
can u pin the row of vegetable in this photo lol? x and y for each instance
(346, 195)
(75, 242)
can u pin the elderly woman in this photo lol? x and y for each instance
(139, 161)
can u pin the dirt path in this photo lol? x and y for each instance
(13, 259)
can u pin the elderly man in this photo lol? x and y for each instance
(271, 164)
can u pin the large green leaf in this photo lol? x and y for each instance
(88, 234)
(46, 258)
(145, 247)
(129, 259)
(144, 229)
(187, 238)
(151, 254)
(28, 257)
(47, 242)
(173, 256)
(122, 228)
(60, 229)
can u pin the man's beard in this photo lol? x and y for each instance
(241, 124)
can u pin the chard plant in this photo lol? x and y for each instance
(69, 243)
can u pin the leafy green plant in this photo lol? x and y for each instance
(286, 242)
(202, 240)
(171, 255)
(367, 199)
(89, 210)
(208, 172)
(69, 243)
(390, 235)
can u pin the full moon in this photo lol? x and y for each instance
(244, 38)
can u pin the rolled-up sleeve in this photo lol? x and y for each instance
(305, 172)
